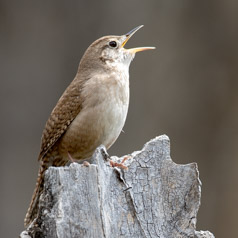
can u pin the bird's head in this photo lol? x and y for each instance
(110, 51)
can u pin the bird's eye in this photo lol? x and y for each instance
(113, 44)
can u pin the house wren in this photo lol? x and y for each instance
(92, 110)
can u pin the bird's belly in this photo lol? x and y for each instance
(113, 121)
(94, 126)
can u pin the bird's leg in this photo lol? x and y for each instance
(105, 155)
(71, 158)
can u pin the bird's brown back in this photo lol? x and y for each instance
(67, 108)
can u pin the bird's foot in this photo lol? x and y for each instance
(107, 157)
(86, 163)
(72, 160)
(121, 164)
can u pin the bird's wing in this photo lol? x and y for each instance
(65, 111)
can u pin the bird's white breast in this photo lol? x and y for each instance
(105, 106)
(112, 106)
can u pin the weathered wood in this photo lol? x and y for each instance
(153, 198)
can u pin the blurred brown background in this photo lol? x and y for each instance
(186, 88)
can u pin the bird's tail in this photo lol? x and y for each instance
(33, 208)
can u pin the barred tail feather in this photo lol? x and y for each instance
(33, 208)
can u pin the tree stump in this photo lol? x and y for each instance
(154, 197)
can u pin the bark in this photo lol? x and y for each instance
(154, 197)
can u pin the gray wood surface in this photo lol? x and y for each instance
(154, 197)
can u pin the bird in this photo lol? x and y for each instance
(91, 111)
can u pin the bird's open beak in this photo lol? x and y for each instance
(129, 35)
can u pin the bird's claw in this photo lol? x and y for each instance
(113, 163)
(120, 165)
